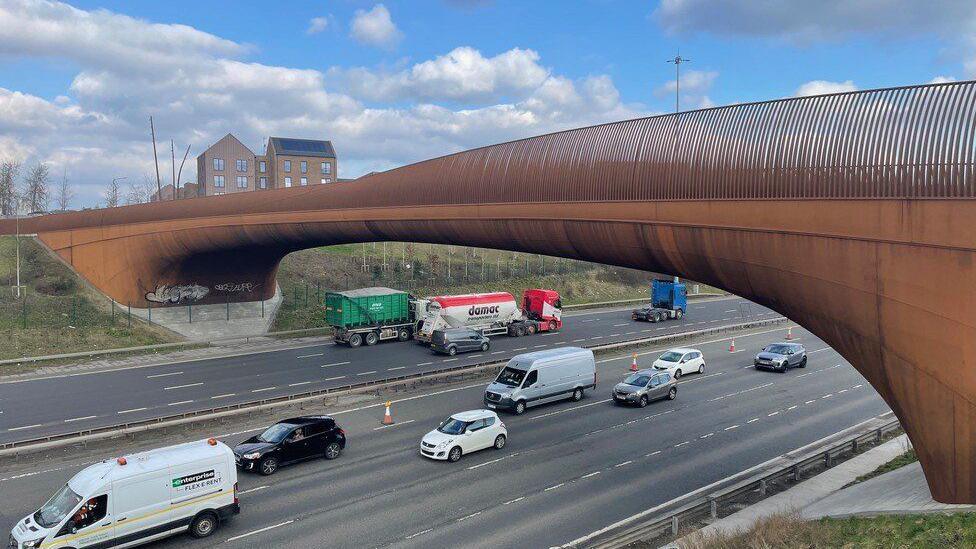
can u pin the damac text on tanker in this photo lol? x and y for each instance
(475, 310)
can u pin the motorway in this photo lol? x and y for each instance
(568, 469)
(31, 409)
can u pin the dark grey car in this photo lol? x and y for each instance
(458, 340)
(644, 386)
(781, 357)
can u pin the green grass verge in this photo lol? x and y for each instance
(907, 458)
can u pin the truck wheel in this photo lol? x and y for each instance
(403, 334)
(678, 314)
(519, 331)
(372, 338)
(552, 325)
(355, 340)
(530, 329)
(204, 524)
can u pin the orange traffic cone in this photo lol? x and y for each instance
(387, 418)
(789, 332)
(732, 346)
(633, 364)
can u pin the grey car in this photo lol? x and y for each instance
(644, 386)
(781, 357)
(458, 340)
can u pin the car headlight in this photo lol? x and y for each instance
(252, 455)
(33, 543)
(445, 443)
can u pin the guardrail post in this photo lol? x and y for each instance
(262, 308)
(827, 458)
(877, 436)
(796, 473)
(189, 312)
(149, 305)
(674, 525)
(854, 446)
(228, 308)
(129, 315)
(762, 487)
(713, 507)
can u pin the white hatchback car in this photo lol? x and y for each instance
(681, 361)
(463, 433)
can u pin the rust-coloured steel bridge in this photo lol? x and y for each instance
(852, 214)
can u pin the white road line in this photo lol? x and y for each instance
(164, 375)
(520, 349)
(578, 340)
(753, 420)
(424, 363)
(859, 385)
(333, 378)
(588, 475)
(654, 453)
(299, 383)
(740, 392)
(255, 489)
(479, 354)
(590, 320)
(554, 486)
(810, 402)
(469, 516)
(225, 395)
(394, 424)
(182, 386)
(497, 352)
(261, 390)
(771, 414)
(334, 364)
(259, 530)
(397, 368)
(570, 409)
(449, 360)
(366, 373)
(730, 427)
(624, 463)
(309, 356)
(680, 444)
(731, 311)
(842, 391)
(619, 325)
(79, 419)
(24, 427)
(597, 337)
(792, 407)
(492, 461)
(828, 395)
(818, 350)
(706, 435)
(516, 500)
(132, 410)
(427, 531)
(537, 346)
(614, 335)
(180, 402)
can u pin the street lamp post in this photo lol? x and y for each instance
(17, 217)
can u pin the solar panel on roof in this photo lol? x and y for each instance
(303, 146)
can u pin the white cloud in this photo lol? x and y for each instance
(942, 80)
(821, 87)
(98, 128)
(317, 25)
(694, 88)
(375, 27)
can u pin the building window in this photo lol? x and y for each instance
(241, 165)
(322, 181)
(304, 181)
(219, 193)
(304, 166)
(263, 182)
(218, 164)
(287, 165)
(328, 180)
(219, 181)
(263, 166)
(288, 182)
(242, 182)
(326, 168)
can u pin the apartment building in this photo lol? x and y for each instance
(229, 166)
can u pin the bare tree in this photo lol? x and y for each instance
(8, 187)
(112, 194)
(65, 193)
(35, 196)
(140, 193)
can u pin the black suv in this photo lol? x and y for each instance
(289, 441)
(458, 340)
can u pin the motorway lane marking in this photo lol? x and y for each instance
(730, 427)
(397, 368)
(740, 392)
(182, 386)
(132, 410)
(771, 414)
(477, 355)
(427, 531)
(180, 402)
(792, 407)
(394, 424)
(259, 530)
(553, 487)
(493, 461)
(261, 390)
(818, 350)
(588, 475)
(24, 427)
(333, 378)
(469, 516)
(428, 363)
(654, 453)
(597, 337)
(828, 395)
(494, 353)
(164, 375)
(731, 311)
(578, 340)
(79, 419)
(614, 335)
(449, 360)
(225, 395)
(706, 435)
(810, 402)
(628, 462)
(753, 420)
(299, 383)
(590, 320)
(619, 325)
(366, 373)
(680, 444)
(821, 370)
(255, 489)
(334, 364)
(538, 346)
(859, 385)
(520, 349)
(842, 391)
(310, 356)
(516, 500)
(570, 409)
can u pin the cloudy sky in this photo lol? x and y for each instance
(395, 82)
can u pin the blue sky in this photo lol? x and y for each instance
(396, 82)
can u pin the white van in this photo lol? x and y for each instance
(536, 378)
(138, 498)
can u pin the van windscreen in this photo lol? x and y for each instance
(511, 376)
(53, 512)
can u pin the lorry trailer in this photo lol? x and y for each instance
(369, 315)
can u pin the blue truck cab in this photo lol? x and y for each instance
(669, 299)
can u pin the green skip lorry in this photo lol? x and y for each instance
(369, 315)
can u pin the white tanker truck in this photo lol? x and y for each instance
(491, 313)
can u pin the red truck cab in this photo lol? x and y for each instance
(545, 307)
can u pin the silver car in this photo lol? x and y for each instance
(780, 357)
(644, 386)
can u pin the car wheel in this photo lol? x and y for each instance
(520, 407)
(372, 338)
(204, 524)
(578, 395)
(403, 334)
(678, 314)
(454, 454)
(452, 350)
(484, 347)
(701, 369)
(268, 466)
(673, 393)
(803, 363)
(677, 373)
(333, 450)
(552, 325)
(355, 340)
(643, 401)
(500, 442)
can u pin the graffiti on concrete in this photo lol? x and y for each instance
(238, 287)
(178, 293)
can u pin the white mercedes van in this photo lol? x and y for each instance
(535, 378)
(137, 498)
